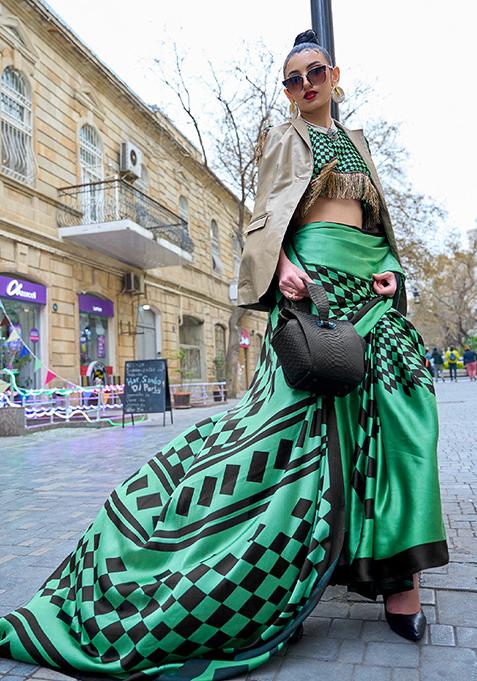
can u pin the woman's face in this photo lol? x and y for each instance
(300, 64)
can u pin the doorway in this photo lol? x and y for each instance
(147, 337)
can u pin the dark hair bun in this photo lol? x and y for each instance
(306, 37)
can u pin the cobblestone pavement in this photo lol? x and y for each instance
(53, 484)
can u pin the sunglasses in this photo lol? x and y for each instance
(315, 76)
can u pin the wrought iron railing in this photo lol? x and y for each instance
(113, 200)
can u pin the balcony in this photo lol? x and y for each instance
(115, 218)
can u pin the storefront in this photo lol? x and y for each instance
(96, 316)
(22, 326)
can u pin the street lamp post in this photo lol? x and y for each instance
(322, 23)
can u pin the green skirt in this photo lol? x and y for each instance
(202, 563)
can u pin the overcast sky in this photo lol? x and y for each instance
(419, 57)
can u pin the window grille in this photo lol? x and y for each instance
(91, 155)
(91, 167)
(17, 133)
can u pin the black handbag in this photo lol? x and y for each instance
(324, 356)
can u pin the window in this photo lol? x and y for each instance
(91, 167)
(16, 112)
(184, 212)
(237, 256)
(91, 155)
(219, 359)
(219, 340)
(192, 344)
(214, 244)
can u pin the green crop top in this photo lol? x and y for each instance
(339, 171)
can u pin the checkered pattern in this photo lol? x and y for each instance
(399, 356)
(207, 556)
(227, 600)
(346, 293)
(326, 148)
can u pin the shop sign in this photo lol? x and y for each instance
(96, 306)
(20, 289)
(34, 335)
(244, 338)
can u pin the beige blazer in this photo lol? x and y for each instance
(284, 172)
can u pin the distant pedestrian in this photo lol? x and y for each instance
(452, 357)
(429, 361)
(438, 362)
(470, 362)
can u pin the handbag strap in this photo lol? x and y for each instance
(320, 299)
(316, 291)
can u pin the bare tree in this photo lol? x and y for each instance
(244, 118)
(177, 84)
(447, 314)
(248, 99)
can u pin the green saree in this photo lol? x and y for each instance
(202, 563)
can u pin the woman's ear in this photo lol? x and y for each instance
(335, 76)
(288, 95)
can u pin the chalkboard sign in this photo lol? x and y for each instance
(146, 388)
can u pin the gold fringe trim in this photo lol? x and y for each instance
(341, 186)
(318, 185)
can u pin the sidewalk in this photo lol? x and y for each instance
(43, 477)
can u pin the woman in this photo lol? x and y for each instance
(340, 229)
(470, 362)
(205, 562)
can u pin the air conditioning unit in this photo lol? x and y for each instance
(130, 162)
(133, 283)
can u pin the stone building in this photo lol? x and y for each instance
(116, 242)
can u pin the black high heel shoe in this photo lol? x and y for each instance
(297, 634)
(411, 627)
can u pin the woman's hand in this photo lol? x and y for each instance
(385, 284)
(291, 279)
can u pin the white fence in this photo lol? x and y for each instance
(95, 404)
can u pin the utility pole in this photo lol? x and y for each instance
(322, 24)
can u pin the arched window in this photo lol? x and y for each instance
(219, 340)
(215, 248)
(219, 359)
(91, 155)
(91, 167)
(184, 212)
(16, 113)
(191, 339)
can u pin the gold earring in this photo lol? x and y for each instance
(293, 108)
(337, 94)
